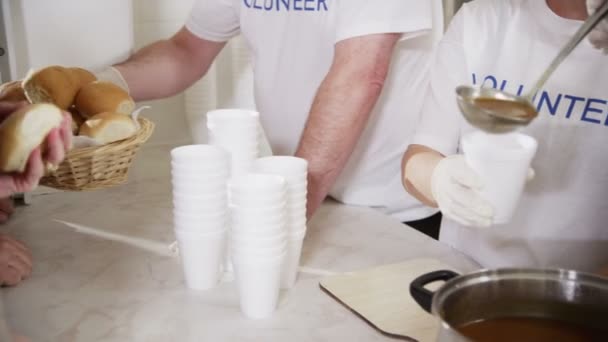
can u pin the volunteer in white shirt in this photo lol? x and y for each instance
(561, 219)
(321, 85)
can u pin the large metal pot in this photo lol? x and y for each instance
(560, 295)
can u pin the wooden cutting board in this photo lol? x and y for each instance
(381, 297)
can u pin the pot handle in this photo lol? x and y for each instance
(421, 295)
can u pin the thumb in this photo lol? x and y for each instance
(463, 174)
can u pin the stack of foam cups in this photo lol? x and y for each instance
(200, 214)
(237, 131)
(258, 240)
(294, 171)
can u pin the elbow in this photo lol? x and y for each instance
(375, 79)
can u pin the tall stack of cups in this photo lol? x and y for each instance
(199, 176)
(237, 131)
(258, 240)
(294, 171)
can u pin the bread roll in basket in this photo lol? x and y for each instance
(103, 115)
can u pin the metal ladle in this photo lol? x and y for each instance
(497, 111)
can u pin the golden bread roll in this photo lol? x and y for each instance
(12, 92)
(54, 84)
(100, 97)
(23, 131)
(83, 76)
(109, 127)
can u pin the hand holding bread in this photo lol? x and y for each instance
(31, 137)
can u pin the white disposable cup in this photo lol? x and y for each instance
(295, 212)
(248, 220)
(270, 206)
(258, 282)
(202, 204)
(199, 189)
(194, 208)
(202, 256)
(205, 154)
(297, 223)
(286, 166)
(295, 203)
(238, 147)
(202, 227)
(279, 196)
(502, 162)
(297, 234)
(253, 240)
(296, 190)
(230, 116)
(193, 217)
(258, 230)
(202, 165)
(199, 174)
(243, 136)
(258, 183)
(255, 251)
(292, 263)
(258, 213)
(218, 195)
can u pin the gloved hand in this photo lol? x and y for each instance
(599, 35)
(112, 75)
(456, 189)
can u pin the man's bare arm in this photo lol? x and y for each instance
(167, 67)
(342, 108)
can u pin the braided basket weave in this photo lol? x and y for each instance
(98, 167)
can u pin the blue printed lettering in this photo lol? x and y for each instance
(268, 4)
(490, 78)
(295, 5)
(247, 3)
(319, 5)
(306, 8)
(589, 109)
(573, 101)
(255, 5)
(544, 98)
(503, 85)
(285, 2)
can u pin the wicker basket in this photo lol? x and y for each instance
(99, 167)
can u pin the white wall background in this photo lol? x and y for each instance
(229, 83)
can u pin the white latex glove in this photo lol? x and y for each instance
(112, 75)
(456, 189)
(599, 35)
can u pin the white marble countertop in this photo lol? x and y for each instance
(88, 289)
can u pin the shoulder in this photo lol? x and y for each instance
(482, 20)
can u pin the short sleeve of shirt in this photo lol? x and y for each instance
(214, 20)
(440, 120)
(364, 17)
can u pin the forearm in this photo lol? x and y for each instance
(337, 118)
(341, 111)
(168, 67)
(417, 167)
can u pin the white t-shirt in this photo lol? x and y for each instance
(292, 47)
(562, 219)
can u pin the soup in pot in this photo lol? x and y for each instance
(530, 330)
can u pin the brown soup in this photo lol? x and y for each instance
(530, 330)
(506, 108)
